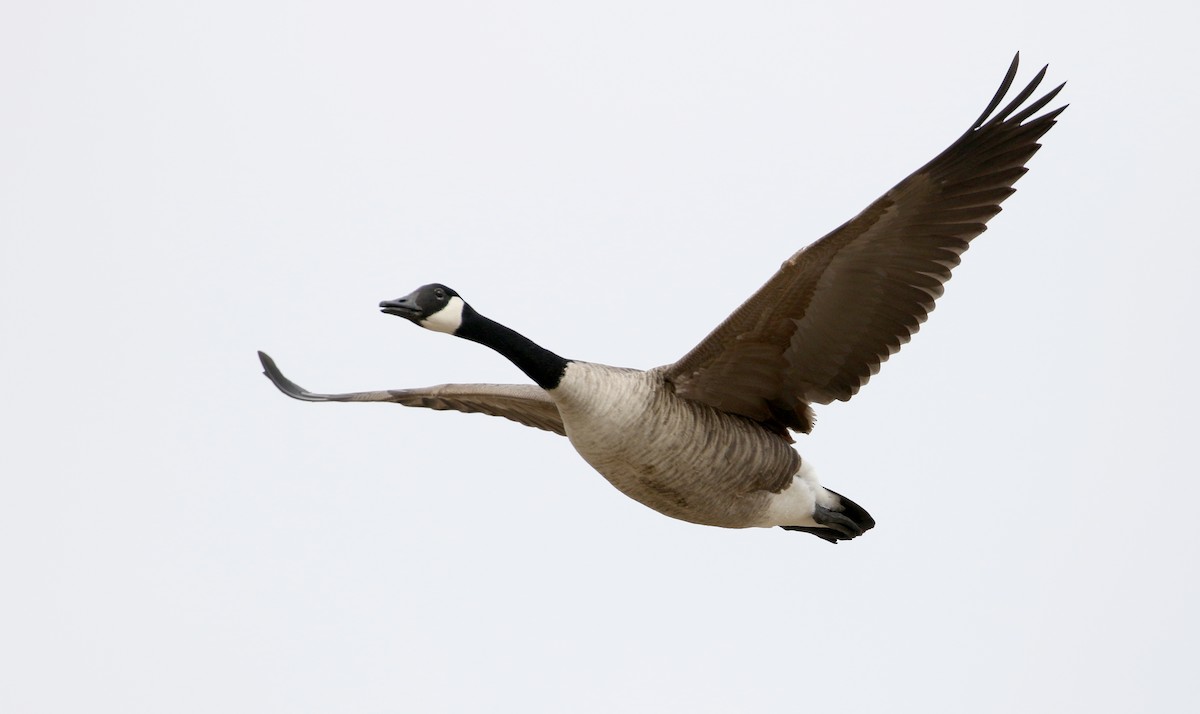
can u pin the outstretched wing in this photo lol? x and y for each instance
(836, 310)
(523, 403)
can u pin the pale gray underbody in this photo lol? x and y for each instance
(682, 458)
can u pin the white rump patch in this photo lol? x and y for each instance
(448, 319)
(794, 506)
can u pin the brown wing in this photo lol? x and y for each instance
(523, 403)
(819, 328)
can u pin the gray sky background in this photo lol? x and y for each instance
(184, 183)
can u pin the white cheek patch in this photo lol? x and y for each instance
(448, 319)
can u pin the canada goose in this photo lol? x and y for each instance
(706, 439)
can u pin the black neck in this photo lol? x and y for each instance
(541, 365)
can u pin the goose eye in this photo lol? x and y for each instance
(439, 294)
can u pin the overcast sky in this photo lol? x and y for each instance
(182, 184)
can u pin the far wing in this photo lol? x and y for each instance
(525, 404)
(823, 324)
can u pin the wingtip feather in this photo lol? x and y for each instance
(282, 383)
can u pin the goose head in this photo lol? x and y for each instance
(438, 308)
(434, 307)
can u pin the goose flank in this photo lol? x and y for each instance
(708, 438)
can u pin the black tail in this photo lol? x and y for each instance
(849, 521)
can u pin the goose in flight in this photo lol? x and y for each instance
(706, 439)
